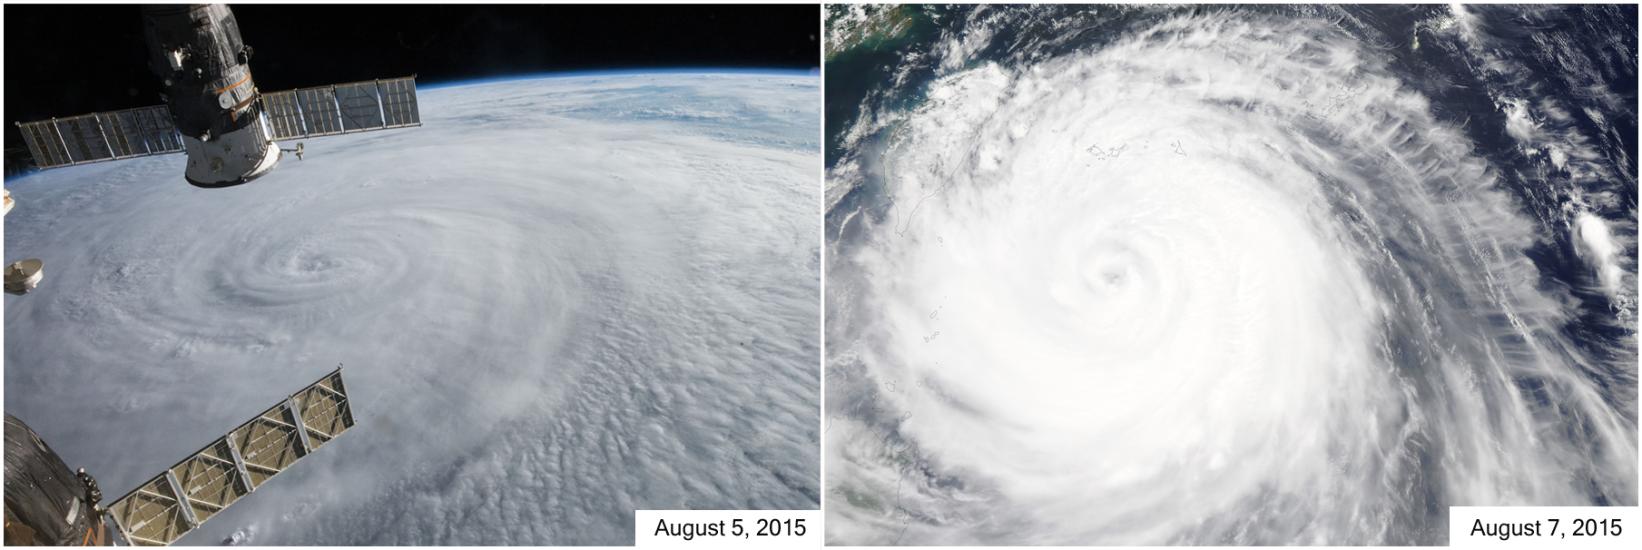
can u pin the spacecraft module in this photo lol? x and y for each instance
(213, 111)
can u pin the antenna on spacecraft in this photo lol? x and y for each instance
(23, 276)
(297, 151)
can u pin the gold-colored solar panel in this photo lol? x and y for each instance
(234, 465)
(324, 409)
(211, 480)
(150, 515)
(268, 444)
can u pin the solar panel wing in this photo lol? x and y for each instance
(343, 108)
(178, 500)
(399, 102)
(120, 142)
(320, 112)
(211, 479)
(103, 136)
(284, 115)
(324, 410)
(154, 127)
(83, 138)
(361, 108)
(152, 515)
(45, 143)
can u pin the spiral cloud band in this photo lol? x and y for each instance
(557, 301)
(1226, 279)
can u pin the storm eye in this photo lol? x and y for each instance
(1114, 276)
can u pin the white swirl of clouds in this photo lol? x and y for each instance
(1225, 280)
(557, 301)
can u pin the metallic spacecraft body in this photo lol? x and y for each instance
(23, 276)
(214, 112)
(47, 505)
(205, 66)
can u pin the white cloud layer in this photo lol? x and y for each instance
(1226, 280)
(558, 301)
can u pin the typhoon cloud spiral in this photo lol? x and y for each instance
(1222, 276)
(557, 301)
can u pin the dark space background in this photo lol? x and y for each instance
(64, 60)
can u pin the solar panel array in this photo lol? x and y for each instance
(284, 117)
(343, 108)
(305, 112)
(181, 498)
(399, 102)
(97, 137)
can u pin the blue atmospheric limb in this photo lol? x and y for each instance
(440, 84)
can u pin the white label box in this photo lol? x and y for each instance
(774, 529)
(1544, 527)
